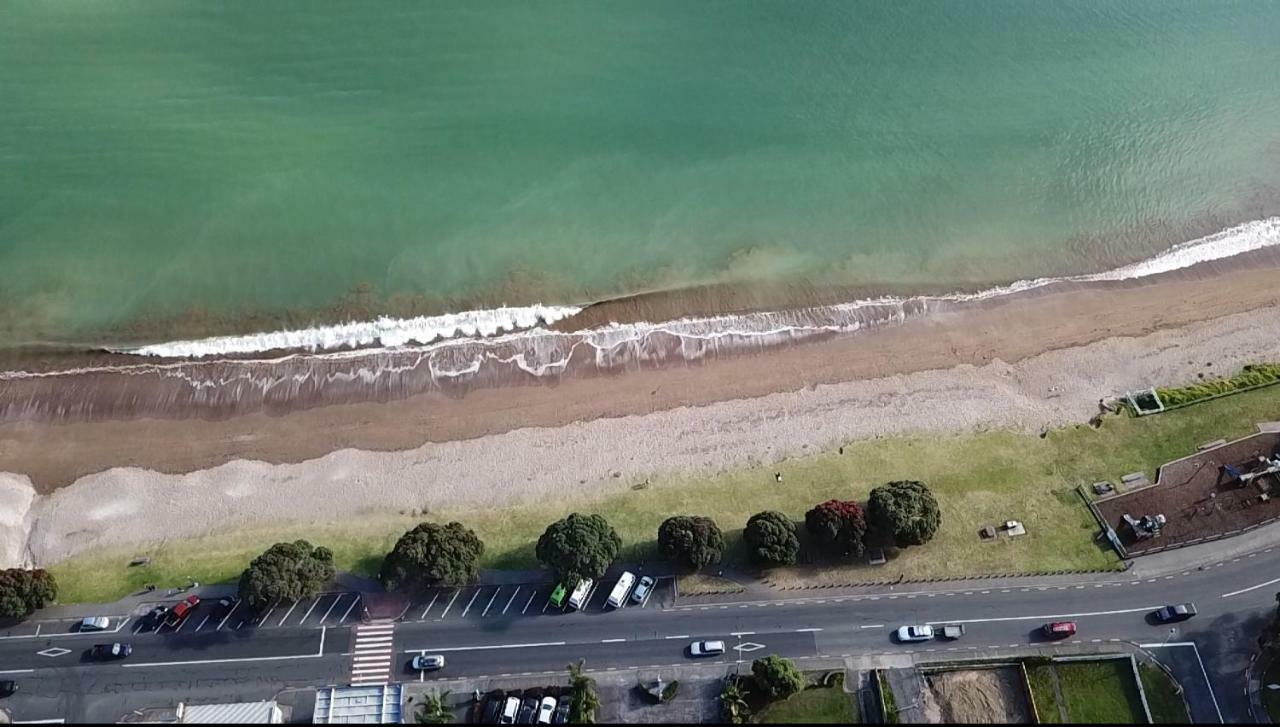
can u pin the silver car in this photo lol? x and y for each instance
(427, 662)
(909, 634)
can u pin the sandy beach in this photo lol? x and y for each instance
(1046, 361)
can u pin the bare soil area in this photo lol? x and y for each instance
(988, 696)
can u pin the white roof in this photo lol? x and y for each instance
(234, 713)
(380, 704)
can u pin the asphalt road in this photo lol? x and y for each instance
(1234, 599)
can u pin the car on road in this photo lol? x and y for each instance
(706, 648)
(546, 710)
(95, 623)
(1059, 629)
(528, 711)
(180, 612)
(562, 713)
(7, 688)
(510, 710)
(915, 632)
(103, 652)
(1175, 612)
(427, 662)
(642, 589)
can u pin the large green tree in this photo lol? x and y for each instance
(579, 546)
(433, 554)
(906, 511)
(839, 526)
(23, 590)
(771, 539)
(776, 677)
(286, 571)
(585, 700)
(690, 541)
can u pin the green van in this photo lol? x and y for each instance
(557, 596)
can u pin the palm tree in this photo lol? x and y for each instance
(585, 701)
(434, 709)
(733, 701)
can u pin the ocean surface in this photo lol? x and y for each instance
(171, 171)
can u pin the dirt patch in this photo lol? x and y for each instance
(990, 696)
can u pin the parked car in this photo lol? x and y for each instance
(180, 612)
(952, 631)
(492, 710)
(642, 589)
(557, 595)
(528, 711)
(95, 623)
(103, 652)
(427, 662)
(1059, 629)
(562, 713)
(7, 688)
(546, 710)
(706, 648)
(621, 589)
(913, 633)
(1172, 613)
(510, 710)
(225, 606)
(155, 616)
(578, 599)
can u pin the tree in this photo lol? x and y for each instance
(433, 554)
(771, 538)
(584, 701)
(578, 547)
(23, 590)
(839, 526)
(776, 677)
(286, 571)
(733, 701)
(906, 511)
(434, 709)
(691, 541)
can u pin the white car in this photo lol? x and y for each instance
(706, 648)
(546, 710)
(908, 634)
(642, 589)
(425, 662)
(95, 623)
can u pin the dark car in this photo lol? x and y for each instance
(156, 616)
(8, 687)
(528, 711)
(224, 607)
(492, 710)
(1178, 612)
(103, 652)
(562, 713)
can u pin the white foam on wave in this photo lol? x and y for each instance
(387, 332)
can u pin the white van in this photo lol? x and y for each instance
(618, 595)
(579, 597)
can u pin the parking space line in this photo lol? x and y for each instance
(269, 612)
(350, 608)
(485, 612)
(336, 601)
(451, 600)
(285, 617)
(224, 618)
(434, 596)
(649, 595)
(306, 615)
(473, 600)
(526, 603)
(181, 623)
(202, 623)
(587, 603)
(509, 600)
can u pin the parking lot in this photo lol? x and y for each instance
(487, 602)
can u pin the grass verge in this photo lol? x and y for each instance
(979, 479)
(1270, 697)
(815, 705)
(1163, 696)
(1040, 677)
(697, 584)
(1100, 692)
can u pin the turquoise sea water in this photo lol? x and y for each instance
(162, 157)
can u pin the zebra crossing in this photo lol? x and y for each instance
(372, 654)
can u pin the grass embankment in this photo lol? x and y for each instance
(1271, 697)
(701, 585)
(979, 479)
(1093, 692)
(815, 705)
(1250, 377)
(1167, 706)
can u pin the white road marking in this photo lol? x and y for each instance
(349, 610)
(429, 605)
(325, 617)
(611, 641)
(1203, 673)
(1251, 588)
(800, 631)
(492, 598)
(450, 604)
(488, 648)
(742, 633)
(473, 600)
(1051, 617)
(526, 603)
(269, 612)
(681, 636)
(872, 626)
(224, 618)
(309, 610)
(202, 623)
(649, 595)
(285, 617)
(509, 600)
(18, 671)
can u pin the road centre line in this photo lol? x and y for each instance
(742, 633)
(18, 671)
(245, 660)
(1251, 588)
(801, 631)
(1049, 617)
(611, 641)
(872, 626)
(681, 636)
(489, 648)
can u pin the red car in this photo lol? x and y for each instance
(182, 610)
(1059, 629)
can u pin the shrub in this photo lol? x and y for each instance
(286, 571)
(771, 539)
(776, 677)
(691, 541)
(906, 511)
(839, 526)
(433, 554)
(579, 546)
(1249, 377)
(22, 591)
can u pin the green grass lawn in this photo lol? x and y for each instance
(1040, 676)
(979, 479)
(1271, 698)
(1100, 692)
(815, 705)
(1166, 703)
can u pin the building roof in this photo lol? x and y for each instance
(233, 713)
(381, 704)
